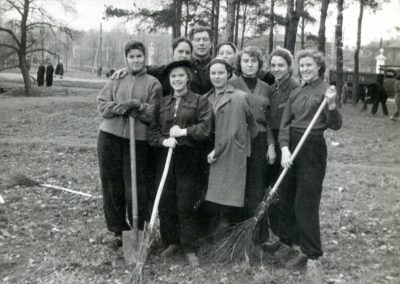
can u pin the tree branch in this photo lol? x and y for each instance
(11, 33)
(9, 46)
(12, 3)
(33, 25)
(42, 49)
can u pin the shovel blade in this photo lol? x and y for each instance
(131, 246)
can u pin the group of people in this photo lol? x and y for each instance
(48, 70)
(231, 134)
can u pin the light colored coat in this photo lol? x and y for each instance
(235, 126)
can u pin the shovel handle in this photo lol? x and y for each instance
(132, 149)
(160, 189)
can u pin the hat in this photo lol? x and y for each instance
(175, 64)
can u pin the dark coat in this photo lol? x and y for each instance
(40, 74)
(235, 127)
(60, 69)
(49, 74)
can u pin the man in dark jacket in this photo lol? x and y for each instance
(380, 97)
(40, 74)
(60, 69)
(49, 74)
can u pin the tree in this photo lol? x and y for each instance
(271, 27)
(321, 30)
(294, 10)
(230, 20)
(305, 19)
(339, 50)
(214, 25)
(23, 42)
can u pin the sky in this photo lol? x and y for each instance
(375, 25)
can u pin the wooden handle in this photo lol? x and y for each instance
(160, 189)
(132, 148)
(298, 147)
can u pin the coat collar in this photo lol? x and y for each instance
(226, 96)
(189, 98)
(246, 88)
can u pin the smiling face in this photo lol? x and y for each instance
(178, 79)
(136, 60)
(218, 75)
(227, 52)
(201, 44)
(249, 65)
(279, 67)
(182, 52)
(308, 68)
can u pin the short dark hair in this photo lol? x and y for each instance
(200, 29)
(178, 40)
(134, 44)
(220, 61)
(285, 54)
(253, 51)
(231, 44)
(317, 56)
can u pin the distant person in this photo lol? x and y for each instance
(228, 51)
(344, 92)
(60, 69)
(49, 74)
(380, 97)
(396, 88)
(99, 71)
(40, 74)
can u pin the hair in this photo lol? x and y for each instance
(220, 61)
(285, 54)
(178, 40)
(134, 44)
(317, 56)
(253, 52)
(231, 44)
(199, 29)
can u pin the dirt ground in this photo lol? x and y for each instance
(57, 237)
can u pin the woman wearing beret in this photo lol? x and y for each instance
(135, 95)
(182, 120)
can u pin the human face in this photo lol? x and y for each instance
(178, 79)
(218, 75)
(226, 52)
(201, 44)
(182, 52)
(308, 68)
(135, 59)
(249, 65)
(279, 67)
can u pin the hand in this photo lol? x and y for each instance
(170, 142)
(210, 158)
(119, 74)
(132, 104)
(285, 161)
(176, 131)
(120, 110)
(330, 95)
(271, 154)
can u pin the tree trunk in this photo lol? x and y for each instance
(243, 26)
(176, 29)
(237, 22)
(292, 18)
(230, 19)
(216, 27)
(321, 31)
(100, 58)
(289, 11)
(356, 54)
(22, 50)
(339, 51)
(25, 73)
(302, 32)
(271, 27)
(187, 18)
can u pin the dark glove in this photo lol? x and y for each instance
(133, 104)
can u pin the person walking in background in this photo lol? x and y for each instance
(135, 95)
(249, 63)
(40, 74)
(380, 97)
(396, 88)
(306, 173)
(49, 74)
(60, 69)
(182, 120)
(235, 127)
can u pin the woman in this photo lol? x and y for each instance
(281, 66)
(234, 126)
(306, 175)
(249, 63)
(182, 120)
(227, 51)
(135, 95)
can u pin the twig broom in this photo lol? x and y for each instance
(239, 241)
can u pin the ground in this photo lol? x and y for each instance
(51, 236)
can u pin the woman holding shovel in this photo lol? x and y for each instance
(182, 120)
(135, 96)
(306, 174)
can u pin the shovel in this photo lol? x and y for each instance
(132, 240)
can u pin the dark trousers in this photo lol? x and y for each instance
(380, 98)
(256, 183)
(115, 174)
(301, 194)
(181, 192)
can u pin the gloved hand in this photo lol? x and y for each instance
(131, 104)
(120, 110)
(169, 142)
(176, 131)
(119, 74)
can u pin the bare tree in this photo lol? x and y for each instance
(271, 26)
(294, 10)
(339, 50)
(230, 19)
(215, 24)
(321, 30)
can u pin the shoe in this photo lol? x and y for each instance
(271, 247)
(193, 260)
(170, 250)
(298, 263)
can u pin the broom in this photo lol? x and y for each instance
(239, 241)
(137, 275)
(21, 179)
